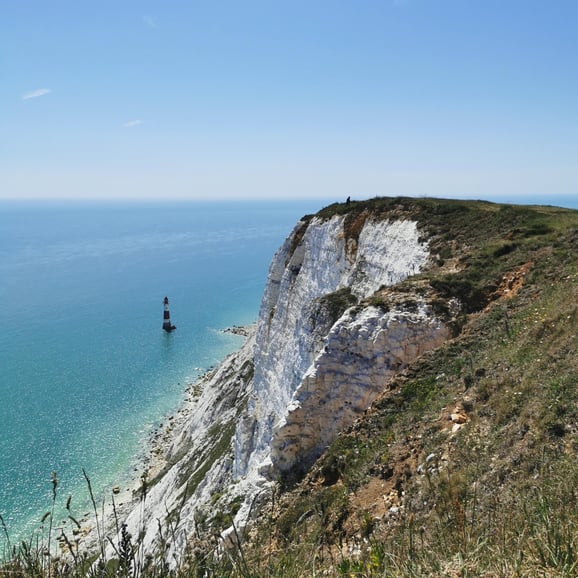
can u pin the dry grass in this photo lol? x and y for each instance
(408, 491)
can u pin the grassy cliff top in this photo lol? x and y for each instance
(467, 465)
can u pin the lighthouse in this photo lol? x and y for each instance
(167, 325)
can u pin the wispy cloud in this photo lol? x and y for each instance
(132, 123)
(36, 93)
(149, 21)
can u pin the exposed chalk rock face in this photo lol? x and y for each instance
(362, 351)
(318, 259)
(318, 359)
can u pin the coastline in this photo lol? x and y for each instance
(158, 446)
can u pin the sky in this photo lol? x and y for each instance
(252, 99)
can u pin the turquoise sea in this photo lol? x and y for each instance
(85, 370)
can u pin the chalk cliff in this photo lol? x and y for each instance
(413, 368)
(318, 259)
(328, 338)
(362, 351)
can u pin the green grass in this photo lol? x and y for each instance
(495, 498)
(337, 302)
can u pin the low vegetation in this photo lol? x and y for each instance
(465, 466)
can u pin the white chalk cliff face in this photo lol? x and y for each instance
(318, 360)
(362, 351)
(290, 331)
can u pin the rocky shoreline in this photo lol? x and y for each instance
(151, 464)
(241, 330)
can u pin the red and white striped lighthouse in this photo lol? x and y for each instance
(167, 325)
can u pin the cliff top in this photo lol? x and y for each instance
(475, 441)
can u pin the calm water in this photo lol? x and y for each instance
(85, 369)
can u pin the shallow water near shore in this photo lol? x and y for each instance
(86, 372)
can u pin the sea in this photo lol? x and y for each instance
(86, 372)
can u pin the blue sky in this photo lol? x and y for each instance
(288, 99)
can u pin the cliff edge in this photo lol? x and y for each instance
(360, 301)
